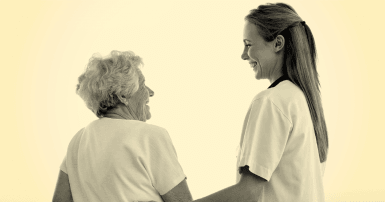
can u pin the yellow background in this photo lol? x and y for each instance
(191, 51)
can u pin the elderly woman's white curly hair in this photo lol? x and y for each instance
(107, 78)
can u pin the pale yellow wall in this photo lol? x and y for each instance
(191, 52)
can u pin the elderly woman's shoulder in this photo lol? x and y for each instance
(154, 132)
(128, 126)
(154, 128)
(147, 129)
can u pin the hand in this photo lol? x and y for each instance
(144, 201)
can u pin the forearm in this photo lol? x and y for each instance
(235, 193)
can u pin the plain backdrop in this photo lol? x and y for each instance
(192, 56)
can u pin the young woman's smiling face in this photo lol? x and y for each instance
(261, 55)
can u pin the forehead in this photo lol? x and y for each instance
(250, 31)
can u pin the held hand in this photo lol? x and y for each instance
(144, 201)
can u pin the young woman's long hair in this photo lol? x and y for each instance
(300, 59)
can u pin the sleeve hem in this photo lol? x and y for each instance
(256, 169)
(64, 171)
(63, 166)
(165, 189)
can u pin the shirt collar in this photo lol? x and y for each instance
(276, 82)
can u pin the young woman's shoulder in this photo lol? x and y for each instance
(284, 93)
(286, 96)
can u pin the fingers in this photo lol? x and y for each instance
(143, 201)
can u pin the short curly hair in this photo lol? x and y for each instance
(107, 78)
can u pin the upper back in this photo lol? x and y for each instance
(118, 160)
(299, 171)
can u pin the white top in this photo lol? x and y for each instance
(119, 160)
(278, 143)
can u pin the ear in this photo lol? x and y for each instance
(279, 43)
(122, 99)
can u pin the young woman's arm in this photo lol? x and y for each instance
(63, 190)
(248, 189)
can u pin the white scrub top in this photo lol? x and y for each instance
(121, 160)
(278, 143)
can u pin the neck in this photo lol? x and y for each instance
(121, 112)
(277, 72)
(274, 78)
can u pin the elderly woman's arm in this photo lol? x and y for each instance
(248, 189)
(180, 193)
(63, 190)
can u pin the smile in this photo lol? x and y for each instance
(253, 64)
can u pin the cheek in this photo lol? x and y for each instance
(253, 54)
(143, 97)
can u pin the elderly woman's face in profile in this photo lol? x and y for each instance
(140, 98)
(258, 52)
(149, 93)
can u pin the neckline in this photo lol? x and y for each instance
(279, 80)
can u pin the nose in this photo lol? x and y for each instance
(244, 55)
(150, 92)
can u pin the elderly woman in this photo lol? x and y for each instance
(119, 157)
(284, 141)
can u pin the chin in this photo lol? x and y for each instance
(258, 76)
(148, 116)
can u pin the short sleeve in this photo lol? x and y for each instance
(162, 164)
(72, 148)
(265, 134)
(63, 166)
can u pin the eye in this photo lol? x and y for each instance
(247, 45)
